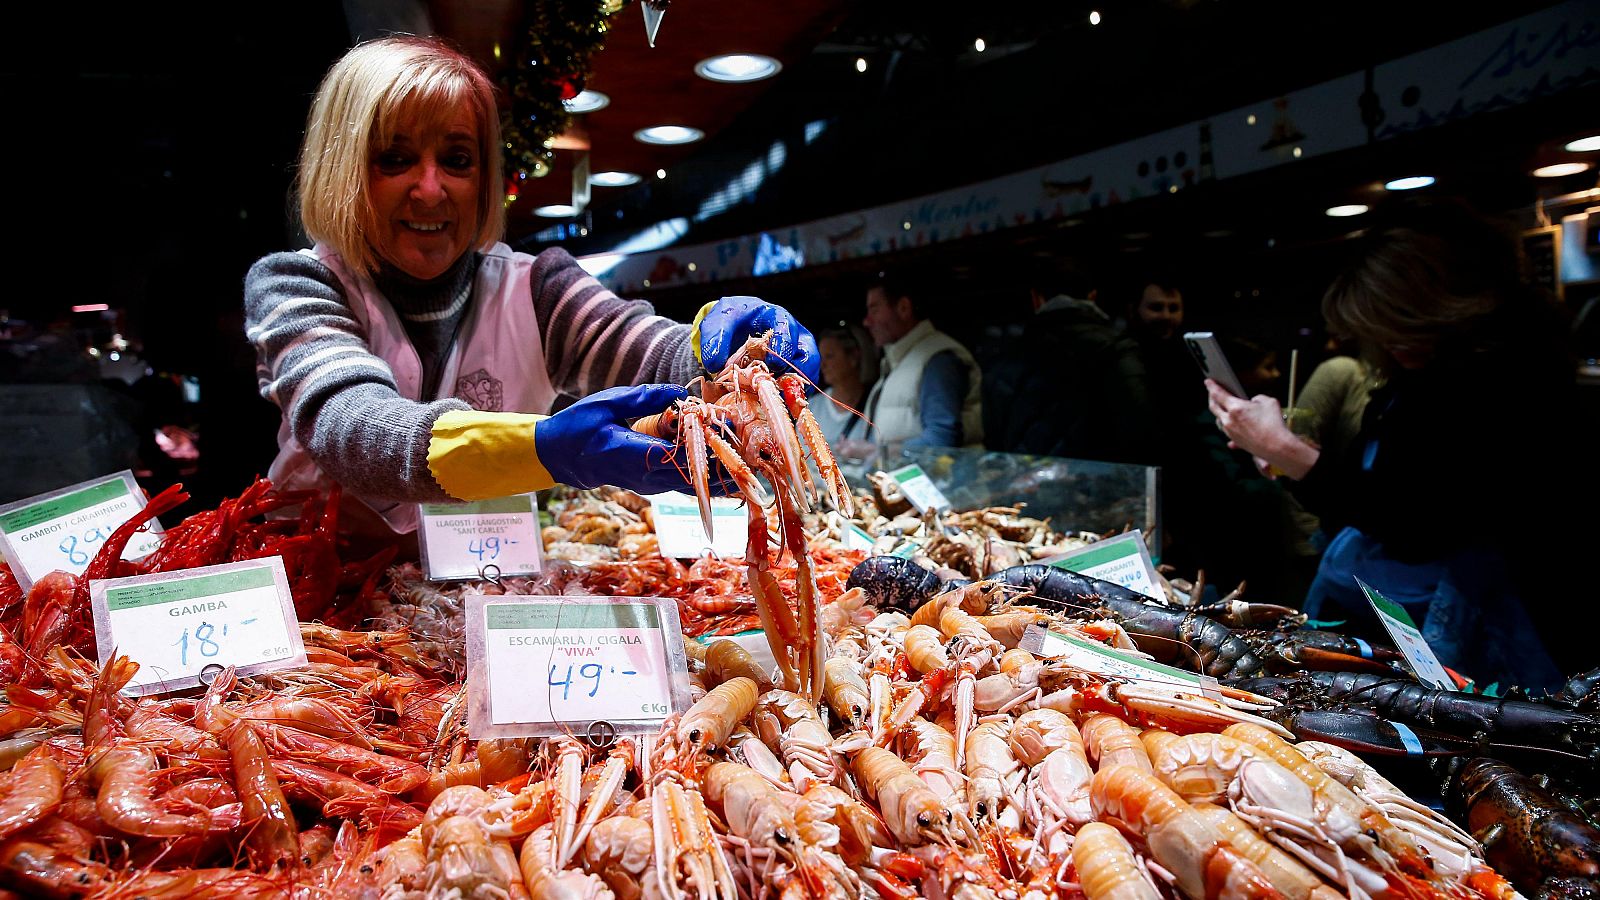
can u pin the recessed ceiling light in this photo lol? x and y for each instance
(1584, 145)
(668, 134)
(861, 64)
(613, 179)
(1349, 209)
(661, 173)
(979, 45)
(1409, 183)
(556, 211)
(586, 102)
(1560, 169)
(1094, 17)
(733, 68)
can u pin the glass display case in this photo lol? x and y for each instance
(1074, 494)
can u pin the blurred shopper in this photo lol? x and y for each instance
(1329, 409)
(1155, 320)
(1072, 385)
(1462, 489)
(929, 392)
(849, 368)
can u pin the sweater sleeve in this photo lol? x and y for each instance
(943, 389)
(594, 339)
(339, 398)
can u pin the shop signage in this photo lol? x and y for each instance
(852, 535)
(591, 666)
(185, 627)
(63, 529)
(468, 540)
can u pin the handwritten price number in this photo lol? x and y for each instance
(488, 548)
(583, 671)
(205, 635)
(71, 545)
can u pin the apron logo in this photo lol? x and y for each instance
(483, 391)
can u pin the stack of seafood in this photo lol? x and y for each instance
(603, 524)
(910, 740)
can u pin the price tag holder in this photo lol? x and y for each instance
(542, 666)
(1123, 560)
(919, 488)
(1092, 656)
(852, 535)
(1408, 639)
(184, 627)
(459, 540)
(63, 529)
(680, 535)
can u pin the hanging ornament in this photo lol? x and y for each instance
(653, 11)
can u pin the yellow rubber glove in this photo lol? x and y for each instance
(694, 331)
(478, 455)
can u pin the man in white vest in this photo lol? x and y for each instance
(928, 394)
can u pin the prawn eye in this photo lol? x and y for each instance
(983, 810)
(924, 820)
(949, 816)
(694, 736)
(782, 836)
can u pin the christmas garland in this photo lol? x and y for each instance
(558, 40)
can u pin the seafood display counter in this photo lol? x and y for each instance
(959, 722)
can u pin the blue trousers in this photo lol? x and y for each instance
(1466, 606)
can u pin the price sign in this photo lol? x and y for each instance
(1092, 656)
(852, 535)
(919, 488)
(539, 666)
(680, 534)
(461, 540)
(1123, 560)
(64, 529)
(1408, 639)
(178, 626)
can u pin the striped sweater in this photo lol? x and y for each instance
(341, 401)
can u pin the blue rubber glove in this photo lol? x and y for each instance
(732, 320)
(589, 444)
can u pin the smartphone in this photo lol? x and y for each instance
(1207, 352)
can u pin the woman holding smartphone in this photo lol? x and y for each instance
(1462, 479)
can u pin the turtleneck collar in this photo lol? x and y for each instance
(436, 297)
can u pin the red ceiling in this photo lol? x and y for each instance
(648, 85)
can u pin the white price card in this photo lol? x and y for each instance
(852, 535)
(186, 626)
(1092, 656)
(919, 488)
(63, 529)
(539, 666)
(465, 540)
(1123, 560)
(680, 534)
(1408, 639)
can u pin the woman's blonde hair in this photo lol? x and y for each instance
(370, 92)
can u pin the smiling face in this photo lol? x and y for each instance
(1161, 312)
(424, 187)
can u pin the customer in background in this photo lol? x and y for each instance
(1155, 317)
(1072, 385)
(1463, 490)
(417, 358)
(1329, 409)
(929, 392)
(849, 368)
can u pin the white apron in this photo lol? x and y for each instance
(496, 364)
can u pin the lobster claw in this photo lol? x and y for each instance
(1366, 732)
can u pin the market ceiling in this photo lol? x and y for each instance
(884, 100)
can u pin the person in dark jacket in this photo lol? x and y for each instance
(1073, 385)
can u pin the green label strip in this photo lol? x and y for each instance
(1098, 556)
(681, 509)
(556, 616)
(185, 589)
(494, 506)
(908, 473)
(1107, 652)
(23, 519)
(1388, 607)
